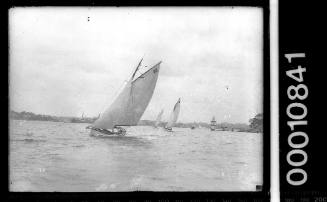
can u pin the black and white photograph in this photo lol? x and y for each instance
(123, 99)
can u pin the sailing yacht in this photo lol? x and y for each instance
(193, 125)
(129, 106)
(173, 116)
(158, 120)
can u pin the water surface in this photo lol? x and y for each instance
(55, 156)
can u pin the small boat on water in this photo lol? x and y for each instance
(173, 116)
(158, 120)
(193, 126)
(129, 106)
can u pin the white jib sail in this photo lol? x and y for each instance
(131, 103)
(174, 114)
(158, 118)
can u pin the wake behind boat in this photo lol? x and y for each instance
(129, 106)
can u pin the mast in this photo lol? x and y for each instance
(137, 68)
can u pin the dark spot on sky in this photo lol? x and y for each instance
(88, 19)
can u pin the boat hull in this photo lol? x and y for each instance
(169, 129)
(103, 132)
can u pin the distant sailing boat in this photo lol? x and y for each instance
(83, 115)
(129, 106)
(193, 125)
(158, 119)
(213, 124)
(173, 116)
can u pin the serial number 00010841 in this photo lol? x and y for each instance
(296, 94)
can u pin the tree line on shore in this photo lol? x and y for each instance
(256, 123)
(40, 117)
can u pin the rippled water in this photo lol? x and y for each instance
(53, 156)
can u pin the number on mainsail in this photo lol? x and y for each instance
(158, 119)
(131, 103)
(174, 115)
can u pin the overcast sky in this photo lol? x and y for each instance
(66, 61)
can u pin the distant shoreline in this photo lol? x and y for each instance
(29, 116)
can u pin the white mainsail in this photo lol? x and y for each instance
(158, 118)
(174, 114)
(131, 103)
